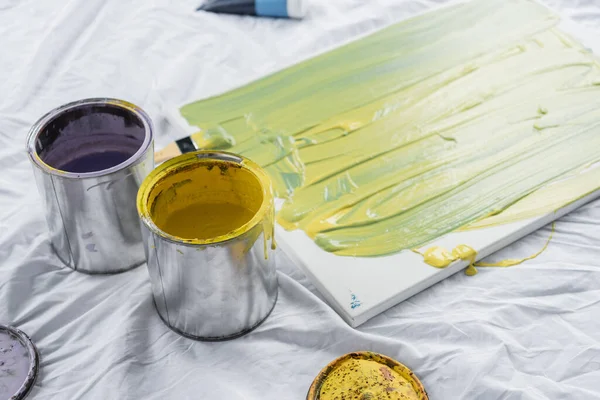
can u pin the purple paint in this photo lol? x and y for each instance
(90, 138)
(18, 364)
(94, 161)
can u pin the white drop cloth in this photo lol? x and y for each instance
(528, 332)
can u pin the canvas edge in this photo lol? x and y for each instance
(519, 230)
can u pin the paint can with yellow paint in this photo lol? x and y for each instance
(366, 375)
(207, 222)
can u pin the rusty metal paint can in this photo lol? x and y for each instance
(19, 363)
(365, 375)
(207, 220)
(89, 158)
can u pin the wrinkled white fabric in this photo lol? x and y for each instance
(527, 332)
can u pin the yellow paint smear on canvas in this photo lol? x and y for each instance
(470, 116)
(547, 199)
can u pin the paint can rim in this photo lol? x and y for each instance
(314, 392)
(197, 158)
(136, 158)
(34, 361)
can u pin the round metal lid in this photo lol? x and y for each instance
(19, 363)
(380, 378)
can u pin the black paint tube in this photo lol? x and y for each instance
(265, 8)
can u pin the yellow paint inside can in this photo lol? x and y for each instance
(209, 200)
(206, 220)
(200, 199)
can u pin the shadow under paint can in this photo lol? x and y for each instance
(89, 159)
(208, 226)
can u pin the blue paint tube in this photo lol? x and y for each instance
(264, 8)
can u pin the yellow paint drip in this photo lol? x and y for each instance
(439, 257)
(470, 116)
(357, 379)
(204, 200)
(511, 262)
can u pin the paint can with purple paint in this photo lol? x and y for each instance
(89, 159)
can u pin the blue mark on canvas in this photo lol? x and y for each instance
(354, 302)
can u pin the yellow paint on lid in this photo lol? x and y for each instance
(364, 376)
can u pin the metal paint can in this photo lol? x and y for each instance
(365, 375)
(89, 159)
(19, 363)
(208, 226)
